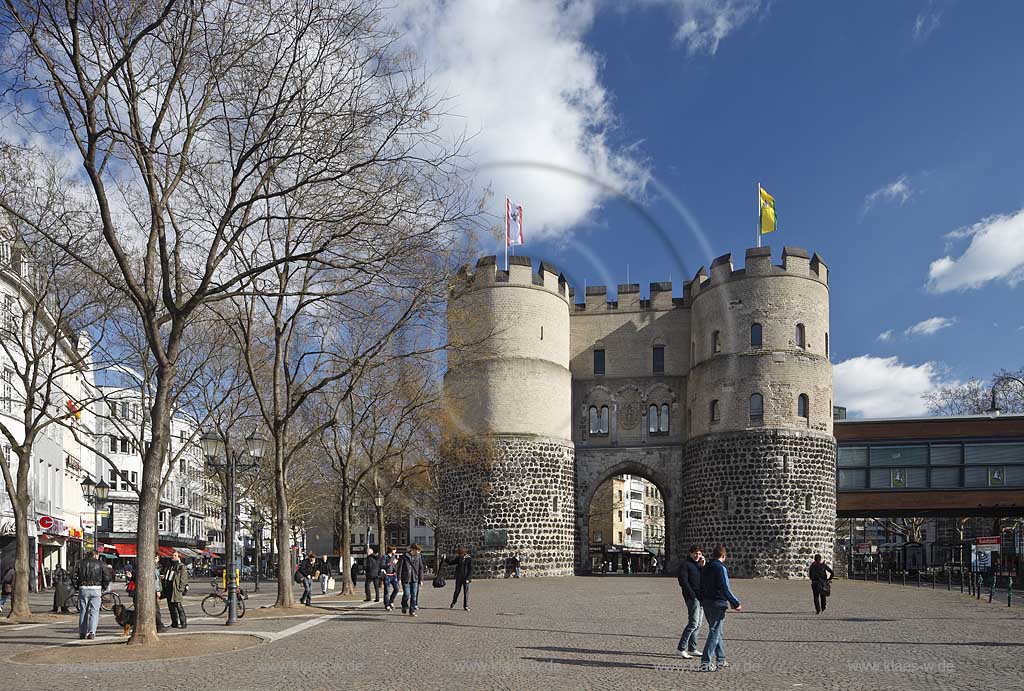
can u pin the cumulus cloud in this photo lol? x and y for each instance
(929, 326)
(525, 88)
(872, 386)
(925, 23)
(995, 252)
(885, 335)
(899, 191)
(702, 24)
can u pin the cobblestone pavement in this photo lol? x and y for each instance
(588, 633)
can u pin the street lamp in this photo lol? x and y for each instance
(993, 409)
(213, 447)
(95, 495)
(257, 528)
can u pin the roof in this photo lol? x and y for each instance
(925, 428)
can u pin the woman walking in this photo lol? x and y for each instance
(820, 574)
(463, 564)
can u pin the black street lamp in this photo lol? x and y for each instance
(214, 447)
(95, 495)
(257, 529)
(993, 409)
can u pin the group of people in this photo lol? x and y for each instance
(389, 569)
(706, 591)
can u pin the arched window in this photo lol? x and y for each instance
(604, 419)
(663, 422)
(755, 335)
(716, 342)
(652, 419)
(802, 404)
(595, 421)
(715, 411)
(826, 344)
(756, 407)
(800, 337)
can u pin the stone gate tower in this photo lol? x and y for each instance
(759, 463)
(508, 476)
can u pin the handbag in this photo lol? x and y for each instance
(330, 582)
(438, 581)
(825, 587)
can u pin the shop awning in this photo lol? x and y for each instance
(189, 552)
(165, 551)
(125, 549)
(208, 553)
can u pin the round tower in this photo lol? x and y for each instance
(506, 483)
(759, 465)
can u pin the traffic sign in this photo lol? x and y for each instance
(987, 544)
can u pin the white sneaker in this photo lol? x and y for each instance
(683, 654)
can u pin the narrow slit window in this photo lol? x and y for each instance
(802, 404)
(756, 407)
(715, 411)
(800, 337)
(756, 335)
(598, 361)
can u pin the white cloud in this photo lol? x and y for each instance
(525, 87)
(996, 252)
(899, 190)
(885, 335)
(702, 24)
(925, 23)
(872, 386)
(930, 326)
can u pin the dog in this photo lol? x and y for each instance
(125, 617)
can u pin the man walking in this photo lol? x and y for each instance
(716, 598)
(820, 574)
(389, 574)
(174, 589)
(91, 580)
(325, 574)
(307, 570)
(372, 567)
(689, 581)
(463, 564)
(410, 571)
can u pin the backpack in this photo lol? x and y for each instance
(298, 577)
(438, 581)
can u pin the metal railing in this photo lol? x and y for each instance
(975, 584)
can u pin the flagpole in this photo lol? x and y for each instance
(759, 214)
(507, 231)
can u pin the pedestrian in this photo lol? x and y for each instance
(325, 574)
(389, 574)
(308, 571)
(175, 587)
(61, 590)
(820, 574)
(517, 565)
(410, 572)
(371, 567)
(7, 587)
(91, 579)
(463, 564)
(716, 598)
(689, 580)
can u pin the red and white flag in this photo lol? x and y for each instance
(513, 223)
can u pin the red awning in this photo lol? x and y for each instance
(124, 549)
(165, 551)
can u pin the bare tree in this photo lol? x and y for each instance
(910, 529)
(193, 123)
(974, 397)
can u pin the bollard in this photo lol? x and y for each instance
(876, 575)
(933, 580)
(890, 576)
(1009, 591)
(918, 579)
(991, 589)
(961, 580)
(977, 587)
(949, 581)
(904, 578)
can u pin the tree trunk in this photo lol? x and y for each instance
(347, 586)
(149, 505)
(22, 561)
(285, 596)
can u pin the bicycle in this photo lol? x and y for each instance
(107, 601)
(216, 603)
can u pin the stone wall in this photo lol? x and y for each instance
(767, 495)
(523, 485)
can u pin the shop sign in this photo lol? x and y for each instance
(987, 544)
(53, 526)
(75, 533)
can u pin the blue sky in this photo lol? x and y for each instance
(880, 128)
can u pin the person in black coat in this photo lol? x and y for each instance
(820, 574)
(372, 567)
(689, 581)
(463, 564)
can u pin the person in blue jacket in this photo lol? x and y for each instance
(716, 597)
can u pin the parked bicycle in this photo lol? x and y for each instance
(216, 603)
(107, 601)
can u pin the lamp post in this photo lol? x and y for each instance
(257, 528)
(993, 409)
(95, 495)
(378, 502)
(213, 447)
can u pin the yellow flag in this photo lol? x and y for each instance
(767, 215)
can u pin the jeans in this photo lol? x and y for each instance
(307, 591)
(391, 581)
(410, 596)
(89, 597)
(716, 623)
(694, 617)
(323, 583)
(462, 586)
(376, 588)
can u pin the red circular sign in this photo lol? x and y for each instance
(45, 522)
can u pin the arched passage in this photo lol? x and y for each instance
(659, 465)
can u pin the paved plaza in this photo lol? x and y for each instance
(613, 632)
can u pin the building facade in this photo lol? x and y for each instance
(721, 398)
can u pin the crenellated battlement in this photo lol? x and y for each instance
(520, 273)
(758, 262)
(660, 298)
